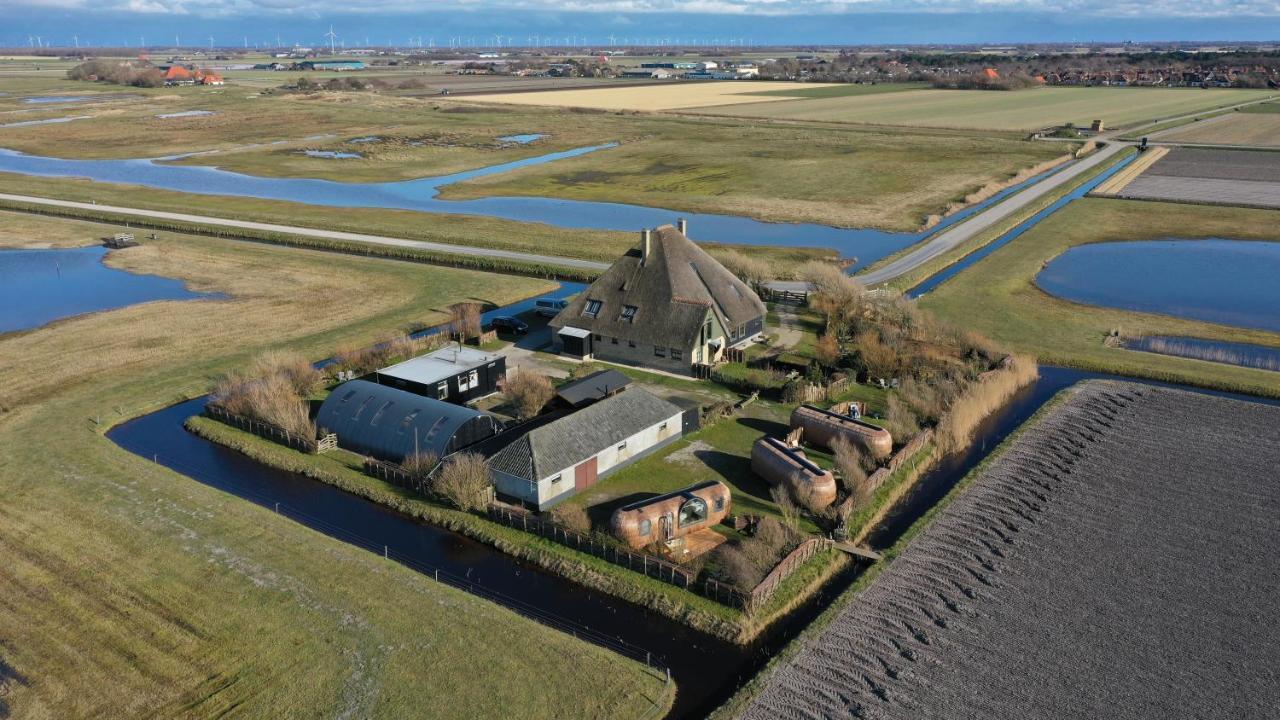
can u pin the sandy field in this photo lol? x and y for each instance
(1114, 562)
(1258, 129)
(676, 96)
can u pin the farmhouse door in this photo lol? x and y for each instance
(584, 475)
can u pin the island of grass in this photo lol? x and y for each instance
(133, 590)
(1120, 545)
(998, 296)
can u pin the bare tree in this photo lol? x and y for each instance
(464, 318)
(787, 508)
(464, 480)
(853, 472)
(420, 463)
(528, 391)
(573, 517)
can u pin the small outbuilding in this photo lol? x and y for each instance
(822, 427)
(456, 374)
(562, 455)
(591, 388)
(390, 424)
(668, 517)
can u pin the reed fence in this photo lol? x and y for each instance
(275, 433)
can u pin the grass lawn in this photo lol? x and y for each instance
(998, 298)
(131, 590)
(996, 110)
(841, 90)
(1236, 128)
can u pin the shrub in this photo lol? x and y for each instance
(272, 390)
(292, 367)
(827, 349)
(419, 464)
(463, 480)
(573, 517)
(899, 420)
(464, 320)
(982, 398)
(853, 466)
(787, 508)
(528, 392)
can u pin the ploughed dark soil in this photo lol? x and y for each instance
(1256, 165)
(1119, 560)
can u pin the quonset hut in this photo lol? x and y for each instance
(391, 424)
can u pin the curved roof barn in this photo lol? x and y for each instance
(391, 424)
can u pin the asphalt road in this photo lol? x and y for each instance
(963, 232)
(316, 233)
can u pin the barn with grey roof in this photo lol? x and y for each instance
(560, 455)
(665, 304)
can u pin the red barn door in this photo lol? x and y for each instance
(584, 475)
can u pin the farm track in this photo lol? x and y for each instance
(1114, 562)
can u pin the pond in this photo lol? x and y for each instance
(1260, 357)
(56, 99)
(1231, 282)
(522, 139)
(40, 286)
(48, 121)
(866, 245)
(331, 154)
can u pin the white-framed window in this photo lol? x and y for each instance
(659, 351)
(629, 313)
(622, 446)
(593, 308)
(662, 427)
(442, 389)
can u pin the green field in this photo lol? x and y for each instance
(995, 110)
(998, 297)
(842, 90)
(131, 590)
(831, 175)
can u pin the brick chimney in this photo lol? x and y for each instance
(683, 226)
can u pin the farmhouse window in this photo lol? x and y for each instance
(613, 340)
(593, 308)
(659, 351)
(675, 353)
(629, 313)
(597, 338)
(631, 343)
(662, 427)
(646, 526)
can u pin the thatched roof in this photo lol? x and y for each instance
(671, 292)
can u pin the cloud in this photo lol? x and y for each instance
(623, 8)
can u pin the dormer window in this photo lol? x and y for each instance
(629, 313)
(592, 309)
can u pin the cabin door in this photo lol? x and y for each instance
(584, 475)
(664, 525)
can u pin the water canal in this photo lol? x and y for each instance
(867, 245)
(40, 286)
(1232, 282)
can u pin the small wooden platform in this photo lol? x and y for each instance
(696, 544)
(858, 552)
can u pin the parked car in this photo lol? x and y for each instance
(506, 323)
(550, 307)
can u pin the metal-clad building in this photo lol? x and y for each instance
(391, 424)
(453, 373)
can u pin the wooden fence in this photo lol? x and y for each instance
(790, 297)
(271, 432)
(769, 585)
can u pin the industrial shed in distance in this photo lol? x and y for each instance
(391, 424)
(455, 373)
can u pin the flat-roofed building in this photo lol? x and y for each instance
(456, 374)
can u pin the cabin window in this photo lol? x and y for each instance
(629, 313)
(443, 389)
(646, 527)
(719, 503)
(659, 351)
(597, 338)
(474, 376)
(622, 446)
(675, 353)
(631, 343)
(613, 340)
(593, 308)
(557, 478)
(693, 512)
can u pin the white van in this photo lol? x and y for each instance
(549, 307)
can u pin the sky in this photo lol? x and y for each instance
(594, 22)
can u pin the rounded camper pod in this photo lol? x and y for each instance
(782, 465)
(666, 517)
(822, 427)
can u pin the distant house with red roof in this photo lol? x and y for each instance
(991, 74)
(178, 75)
(209, 78)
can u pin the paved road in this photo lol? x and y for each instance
(315, 233)
(963, 232)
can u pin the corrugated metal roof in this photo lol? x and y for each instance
(574, 438)
(391, 424)
(595, 386)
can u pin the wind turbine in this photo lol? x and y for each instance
(332, 36)
(76, 40)
(210, 43)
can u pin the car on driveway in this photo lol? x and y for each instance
(506, 323)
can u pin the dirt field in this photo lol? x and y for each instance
(1227, 177)
(1256, 129)
(676, 96)
(1114, 562)
(990, 110)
